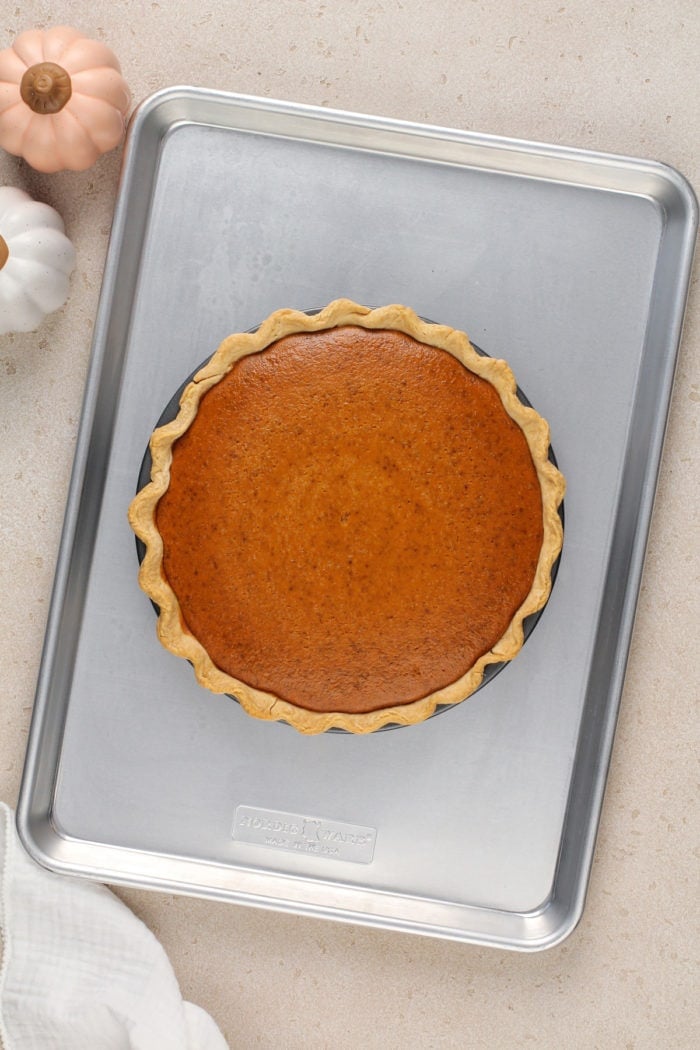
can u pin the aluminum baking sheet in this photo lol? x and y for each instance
(478, 825)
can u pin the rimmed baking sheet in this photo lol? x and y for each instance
(478, 825)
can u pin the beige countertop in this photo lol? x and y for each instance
(611, 75)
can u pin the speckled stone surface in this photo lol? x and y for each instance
(613, 76)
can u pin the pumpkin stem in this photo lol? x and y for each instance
(4, 251)
(46, 88)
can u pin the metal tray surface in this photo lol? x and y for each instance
(478, 825)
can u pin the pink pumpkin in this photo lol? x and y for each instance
(63, 100)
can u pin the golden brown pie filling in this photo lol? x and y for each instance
(350, 523)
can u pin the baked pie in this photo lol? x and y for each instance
(349, 519)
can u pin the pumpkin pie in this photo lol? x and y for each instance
(349, 519)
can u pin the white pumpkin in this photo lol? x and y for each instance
(36, 260)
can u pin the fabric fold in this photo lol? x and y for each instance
(80, 970)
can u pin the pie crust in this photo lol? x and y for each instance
(172, 629)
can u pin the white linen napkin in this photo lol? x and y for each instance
(80, 971)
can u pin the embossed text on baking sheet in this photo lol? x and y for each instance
(299, 833)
